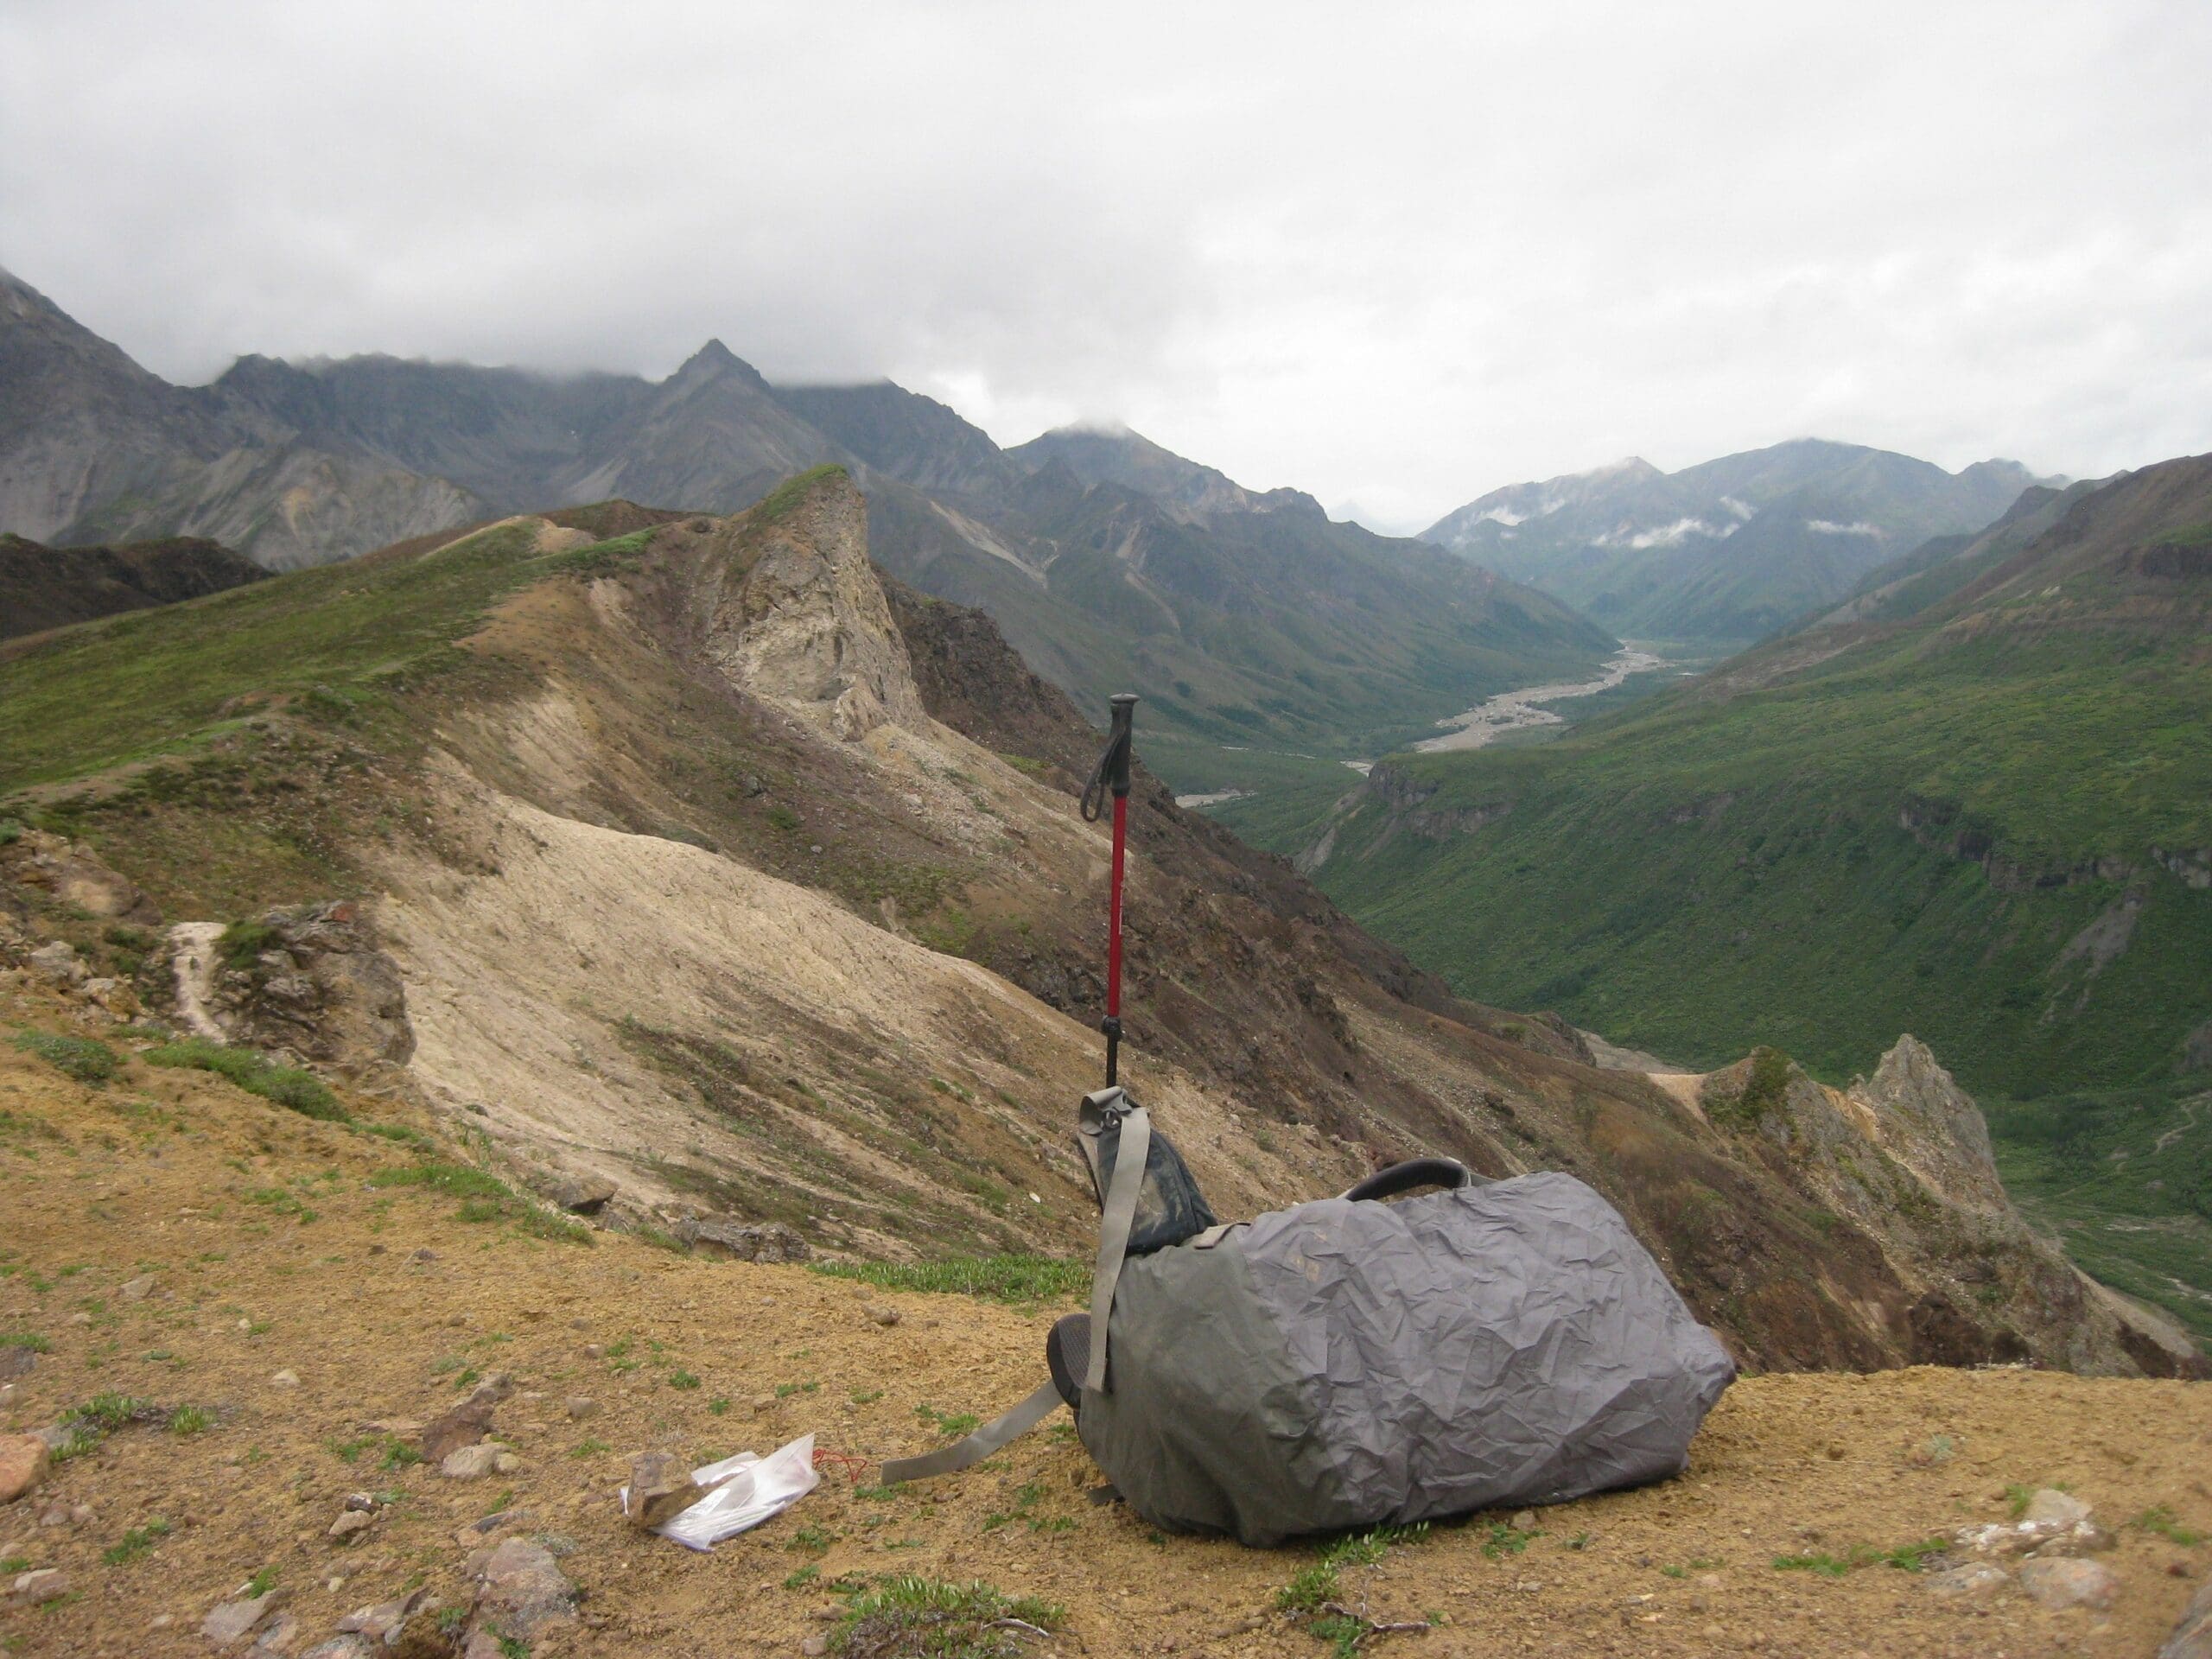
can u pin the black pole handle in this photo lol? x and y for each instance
(1119, 738)
(1111, 775)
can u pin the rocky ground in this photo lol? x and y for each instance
(265, 1338)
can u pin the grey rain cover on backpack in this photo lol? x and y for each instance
(1346, 1364)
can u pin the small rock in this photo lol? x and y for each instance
(234, 1620)
(767, 1240)
(594, 1351)
(277, 1638)
(506, 1463)
(1971, 1579)
(1525, 1522)
(660, 1488)
(80, 1318)
(2082, 1538)
(363, 1501)
(285, 1380)
(10, 1392)
(46, 1583)
(884, 1315)
(138, 1289)
(24, 1460)
(582, 1406)
(468, 1423)
(350, 1647)
(763, 1402)
(584, 1195)
(60, 961)
(2054, 1509)
(426, 1253)
(55, 1515)
(814, 1646)
(470, 1462)
(2067, 1582)
(349, 1524)
(383, 1622)
(2192, 1637)
(480, 1532)
(523, 1597)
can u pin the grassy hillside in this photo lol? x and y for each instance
(1989, 824)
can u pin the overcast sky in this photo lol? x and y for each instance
(1393, 255)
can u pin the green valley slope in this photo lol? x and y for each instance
(1987, 820)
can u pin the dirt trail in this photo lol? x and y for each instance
(269, 1253)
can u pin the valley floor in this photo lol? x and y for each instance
(270, 1252)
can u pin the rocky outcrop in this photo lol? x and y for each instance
(70, 873)
(1905, 1159)
(313, 980)
(806, 624)
(739, 1241)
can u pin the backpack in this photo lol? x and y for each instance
(1352, 1362)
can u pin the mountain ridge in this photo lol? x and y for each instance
(1728, 550)
(1241, 616)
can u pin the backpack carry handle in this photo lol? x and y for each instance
(1448, 1172)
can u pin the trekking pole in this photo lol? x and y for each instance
(1112, 774)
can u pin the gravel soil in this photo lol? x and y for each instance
(269, 1253)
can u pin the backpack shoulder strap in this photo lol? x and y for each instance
(1130, 1151)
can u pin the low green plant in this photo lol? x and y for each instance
(253, 1072)
(484, 1198)
(135, 1542)
(911, 1615)
(29, 1339)
(189, 1420)
(1313, 1590)
(951, 1424)
(1506, 1538)
(1013, 1279)
(1906, 1558)
(683, 1380)
(2160, 1519)
(242, 943)
(80, 1058)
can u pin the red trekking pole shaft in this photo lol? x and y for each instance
(1113, 774)
(1114, 920)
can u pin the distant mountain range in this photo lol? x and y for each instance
(1730, 550)
(1243, 617)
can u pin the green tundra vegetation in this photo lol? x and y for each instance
(1985, 820)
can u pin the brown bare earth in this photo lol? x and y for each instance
(269, 1253)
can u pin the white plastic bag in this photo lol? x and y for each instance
(748, 1489)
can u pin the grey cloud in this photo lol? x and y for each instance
(1393, 255)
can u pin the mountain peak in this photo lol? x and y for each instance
(715, 359)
